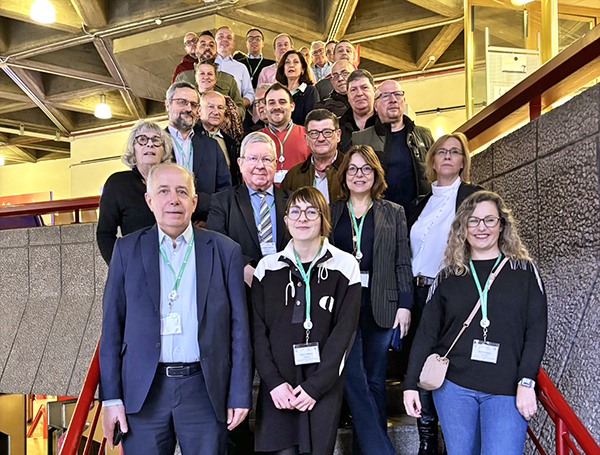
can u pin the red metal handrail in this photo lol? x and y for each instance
(45, 207)
(566, 423)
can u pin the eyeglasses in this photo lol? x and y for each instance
(191, 42)
(311, 213)
(454, 151)
(489, 221)
(314, 134)
(388, 95)
(253, 39)
(343, 75)
(317, 51)
(353, 170)
(256, 102)
(182, 102)
(266, 160)
(157, 141)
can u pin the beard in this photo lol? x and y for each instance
(182, 124)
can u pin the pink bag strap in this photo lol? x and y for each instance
(467, 323)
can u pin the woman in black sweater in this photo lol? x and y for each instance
(488, 396)
(122, 204)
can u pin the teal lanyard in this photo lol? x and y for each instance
(483, 293)
(253, 72)
(257, 214)
(188, 159)
(281, 157)
(358, 228)
(173, 294)
(306, 278)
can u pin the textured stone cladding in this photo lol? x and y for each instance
(51, 283)
(548, 173)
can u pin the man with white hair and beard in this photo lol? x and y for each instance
(196, 152)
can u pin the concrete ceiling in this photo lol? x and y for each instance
(53, 74)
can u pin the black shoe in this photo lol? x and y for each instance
(428, 437)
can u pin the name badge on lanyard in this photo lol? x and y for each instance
(170, 324)
(279, 176)
(485, 351)
(268, 248)
(364, 279)
(306, 353)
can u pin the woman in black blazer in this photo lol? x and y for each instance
(374, 231)
(447, 167)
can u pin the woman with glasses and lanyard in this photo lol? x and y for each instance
(122, 204)
(488, 393)
(305, 310)
(447, 167)
(374, 231)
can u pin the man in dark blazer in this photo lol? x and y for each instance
(235, 212)
(193, 150)
(175, 356)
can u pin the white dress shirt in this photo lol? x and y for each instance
(240, 73)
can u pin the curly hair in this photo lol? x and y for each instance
(458, 250)
(306, 75)
(128, 157)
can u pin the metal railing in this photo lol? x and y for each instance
(43, 208)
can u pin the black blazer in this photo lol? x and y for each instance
(231, 214)
(233, 154)
(391, 280)
(464, 191)
(210, 171)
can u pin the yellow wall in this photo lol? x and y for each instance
(37, 177)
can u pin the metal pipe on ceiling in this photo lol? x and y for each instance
(408, 30)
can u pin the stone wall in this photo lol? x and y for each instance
(51, 283)
(548, 173)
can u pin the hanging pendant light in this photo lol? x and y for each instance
(102, 109)
(42, 11)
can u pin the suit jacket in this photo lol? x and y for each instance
(464, 190)
(231, 214)
(232, 152)
(391, 280)
(210, 171)
(130, 343)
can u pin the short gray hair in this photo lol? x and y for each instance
(312, 45)
(175, 86)
(257, 137)
(128, 157)
(159, 166)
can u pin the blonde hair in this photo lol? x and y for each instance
(128, 157)
(464, 173)
(458, 250)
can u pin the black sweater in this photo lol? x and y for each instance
(517, 311)
(122, 204)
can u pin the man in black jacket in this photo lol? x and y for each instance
(361, 96)
(337, 101)
(400, 145)
(255, 61)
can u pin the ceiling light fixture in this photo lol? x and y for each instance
(520, 2)
(102, 109)
(42, 11)
(1, 161)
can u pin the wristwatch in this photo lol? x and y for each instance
(526, 382)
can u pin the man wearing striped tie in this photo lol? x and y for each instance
(252, 213)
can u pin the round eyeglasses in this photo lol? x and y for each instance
(311, 213)
(157, 141)
(353, 170)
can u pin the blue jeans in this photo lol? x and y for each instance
(364, 385)
(475, 423)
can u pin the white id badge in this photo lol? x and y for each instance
(279, 176)
(170, 324)
(364, 279)
(306, 353)
(268, 248)
(484, 351)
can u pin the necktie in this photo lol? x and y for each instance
(265, 230)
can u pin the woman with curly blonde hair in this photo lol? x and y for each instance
(488, 393)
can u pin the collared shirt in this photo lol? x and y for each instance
(182, 148)
(320, 183)
(240, 73)
(321, 72)
(181, 347)
(255, 200)
(267, 75)
(259, 56)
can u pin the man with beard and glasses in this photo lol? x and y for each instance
(288, 137)
(196, 152)
(190, 40)
(206, 50)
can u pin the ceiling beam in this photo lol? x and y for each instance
(92, 12)
(342, 15)
(397, 29)
(15, 106)
(440, 43)
(80, 93)
(37, 144)
(31, 84)
(386, 59)
(15, 153)
(134, 103)
(4, 38)
(447, 8)
(66, 18)
(275, 23)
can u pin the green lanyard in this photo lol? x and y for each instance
(253, 72)
(483, 293)
(281, 157)
(257, 214)
(173, 294)
(357, 228)
(213, 134)
(306, 278)
(186, 162)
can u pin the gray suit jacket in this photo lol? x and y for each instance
(391, 281)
